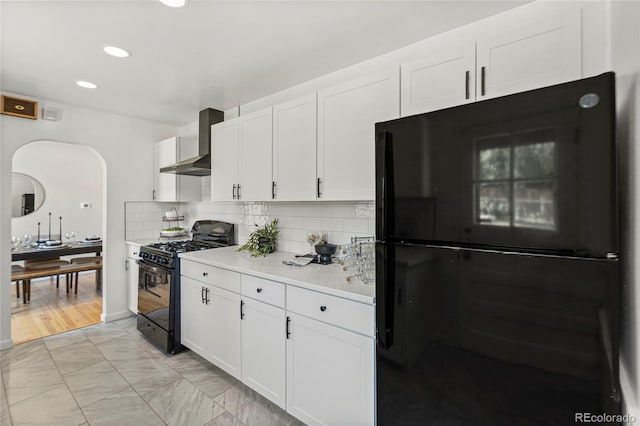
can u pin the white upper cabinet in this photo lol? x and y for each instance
(528, 48)
(241, 163)
(170, 186)
(346, 134)
(225, 149)
(255, 156)
(533, 46)
(294, 150)
(446, 77)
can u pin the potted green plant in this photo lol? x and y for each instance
(262, 241)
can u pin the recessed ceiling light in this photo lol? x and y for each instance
(174, 3)
(118, 52)
(86, 84)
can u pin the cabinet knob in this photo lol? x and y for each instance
(259, 290)
(205, 274)
(323, 308)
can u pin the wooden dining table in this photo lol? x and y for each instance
(35, 253)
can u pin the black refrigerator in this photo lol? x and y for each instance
(497, 264)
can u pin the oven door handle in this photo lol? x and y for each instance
(157, 270)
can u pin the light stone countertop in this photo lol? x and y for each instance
(329, 279)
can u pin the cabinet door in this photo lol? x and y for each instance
(294, 149)
(346, 135)
(529, 48)
(224, 330)
(263, 350)
(164, 184)
(330, 374)
(224, 160)
(195, 317)
(255, 155)
(132, 281)
(446, 78)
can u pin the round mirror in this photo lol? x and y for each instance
(27, 194)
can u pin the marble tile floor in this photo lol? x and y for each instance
(108, 374)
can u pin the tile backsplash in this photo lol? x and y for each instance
(340, 220)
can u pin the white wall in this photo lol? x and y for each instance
(124, 145)
(70, 174)
(625, 57)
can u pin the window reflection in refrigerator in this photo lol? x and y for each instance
(515, 180)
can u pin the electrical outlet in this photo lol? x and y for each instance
(85, 205)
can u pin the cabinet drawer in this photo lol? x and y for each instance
(207, 274)
(133, 250)
(267, 291)
(344, 313)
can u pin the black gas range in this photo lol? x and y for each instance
(159, 280)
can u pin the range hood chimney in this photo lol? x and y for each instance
(200, 165)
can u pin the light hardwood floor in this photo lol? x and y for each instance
(52, 310)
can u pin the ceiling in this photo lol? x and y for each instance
(209, 54)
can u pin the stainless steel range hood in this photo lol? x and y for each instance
(201, 164)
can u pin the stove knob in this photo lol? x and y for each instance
(163, 260)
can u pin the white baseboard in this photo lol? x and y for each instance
(630, 399)
(115, 316)
(6, 344)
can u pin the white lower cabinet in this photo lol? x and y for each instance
(195, 316)
(225, 331)
(132, 276)
(312, 355)
(263, 350)
(330, 368)
(210, 323)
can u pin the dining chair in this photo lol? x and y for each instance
(84, 259)
(17, 268)
(44, 264)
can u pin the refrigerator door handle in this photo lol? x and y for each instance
(384, 185)
(385, 295)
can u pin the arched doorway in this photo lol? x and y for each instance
(72, 177)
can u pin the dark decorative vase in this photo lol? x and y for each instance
(266, 242)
